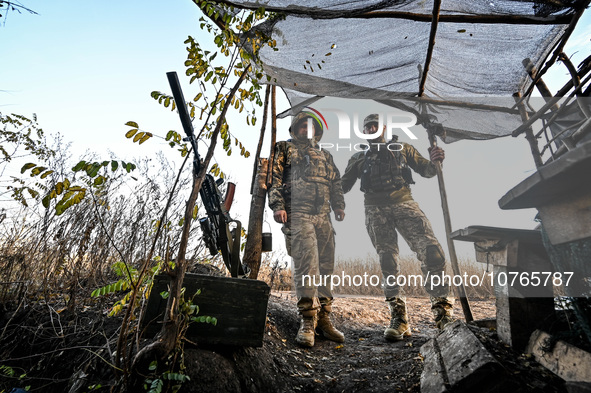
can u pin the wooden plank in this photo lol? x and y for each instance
(470, 367)
(567, 175)
(459, 362)
(520, 310)
(568, 362)
(479, 232)
(567, 220)
(239, 305)
(433, 377)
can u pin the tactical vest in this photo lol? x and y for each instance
(311, 165)
(307, 180)
(384, 171)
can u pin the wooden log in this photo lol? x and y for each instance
(239, 305)
(457, 361)
(565, 360)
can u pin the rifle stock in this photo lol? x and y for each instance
(229, 198)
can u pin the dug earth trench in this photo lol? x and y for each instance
(365, 362)
(53, 350)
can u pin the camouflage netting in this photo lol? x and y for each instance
(378, 50)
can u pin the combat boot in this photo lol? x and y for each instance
(399, 326)
(442, 308)
(305, 336)
(326, 327)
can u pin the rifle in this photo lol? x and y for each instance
(216, 225)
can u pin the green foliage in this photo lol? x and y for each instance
(237, 47)
(129, 278)
(68, 194)
(22, 137)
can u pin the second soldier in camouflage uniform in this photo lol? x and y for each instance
(306, 184)
(389, 208)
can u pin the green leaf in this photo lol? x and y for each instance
(93, 170)
(138, 136)
(99, 180)
(47, 173)
(45, 201)
(131, 133)
(27, 166)
(79, 166)
(146, 136)
(114, 165)
(133, 123)
(59, 188)
(37, 170)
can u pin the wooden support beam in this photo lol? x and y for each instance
(370, 13)
(459, 289)
(576, 81)
(253, 250)
(261, 138)
(536, 116)
(432, 34)
(529, 132)
(273, 134)
(559, 47)
(540, 84)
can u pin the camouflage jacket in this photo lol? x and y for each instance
(305, 179)
(412, 158)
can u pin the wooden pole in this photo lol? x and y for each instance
(253, 250)
(273, 134)
(432, 34)
(559, 47)
(540, 84)
(460, 290)
(529, 133)
(261, 138)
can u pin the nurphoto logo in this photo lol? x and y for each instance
(394, 122)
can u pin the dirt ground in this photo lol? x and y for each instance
(62, 352)
(365, 362)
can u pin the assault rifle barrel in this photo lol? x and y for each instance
(177, 94)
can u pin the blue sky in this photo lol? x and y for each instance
(85, 68)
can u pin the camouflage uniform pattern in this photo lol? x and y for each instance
(307, 184)
(383, 222)
(389, 212)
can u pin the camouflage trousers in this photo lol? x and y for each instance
(406, 218)
(310, 242)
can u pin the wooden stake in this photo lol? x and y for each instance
(460, 290)
(253, 250)
(273, 134)
(261, 138)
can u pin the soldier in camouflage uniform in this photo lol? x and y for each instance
(306, 185)
(389, 207)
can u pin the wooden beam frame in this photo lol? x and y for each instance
(432, 34)
(368, 13)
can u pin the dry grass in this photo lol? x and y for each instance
(43, 255)
(354, 276)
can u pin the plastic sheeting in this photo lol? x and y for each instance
(326, 48)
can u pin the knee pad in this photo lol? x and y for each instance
(434, 257)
